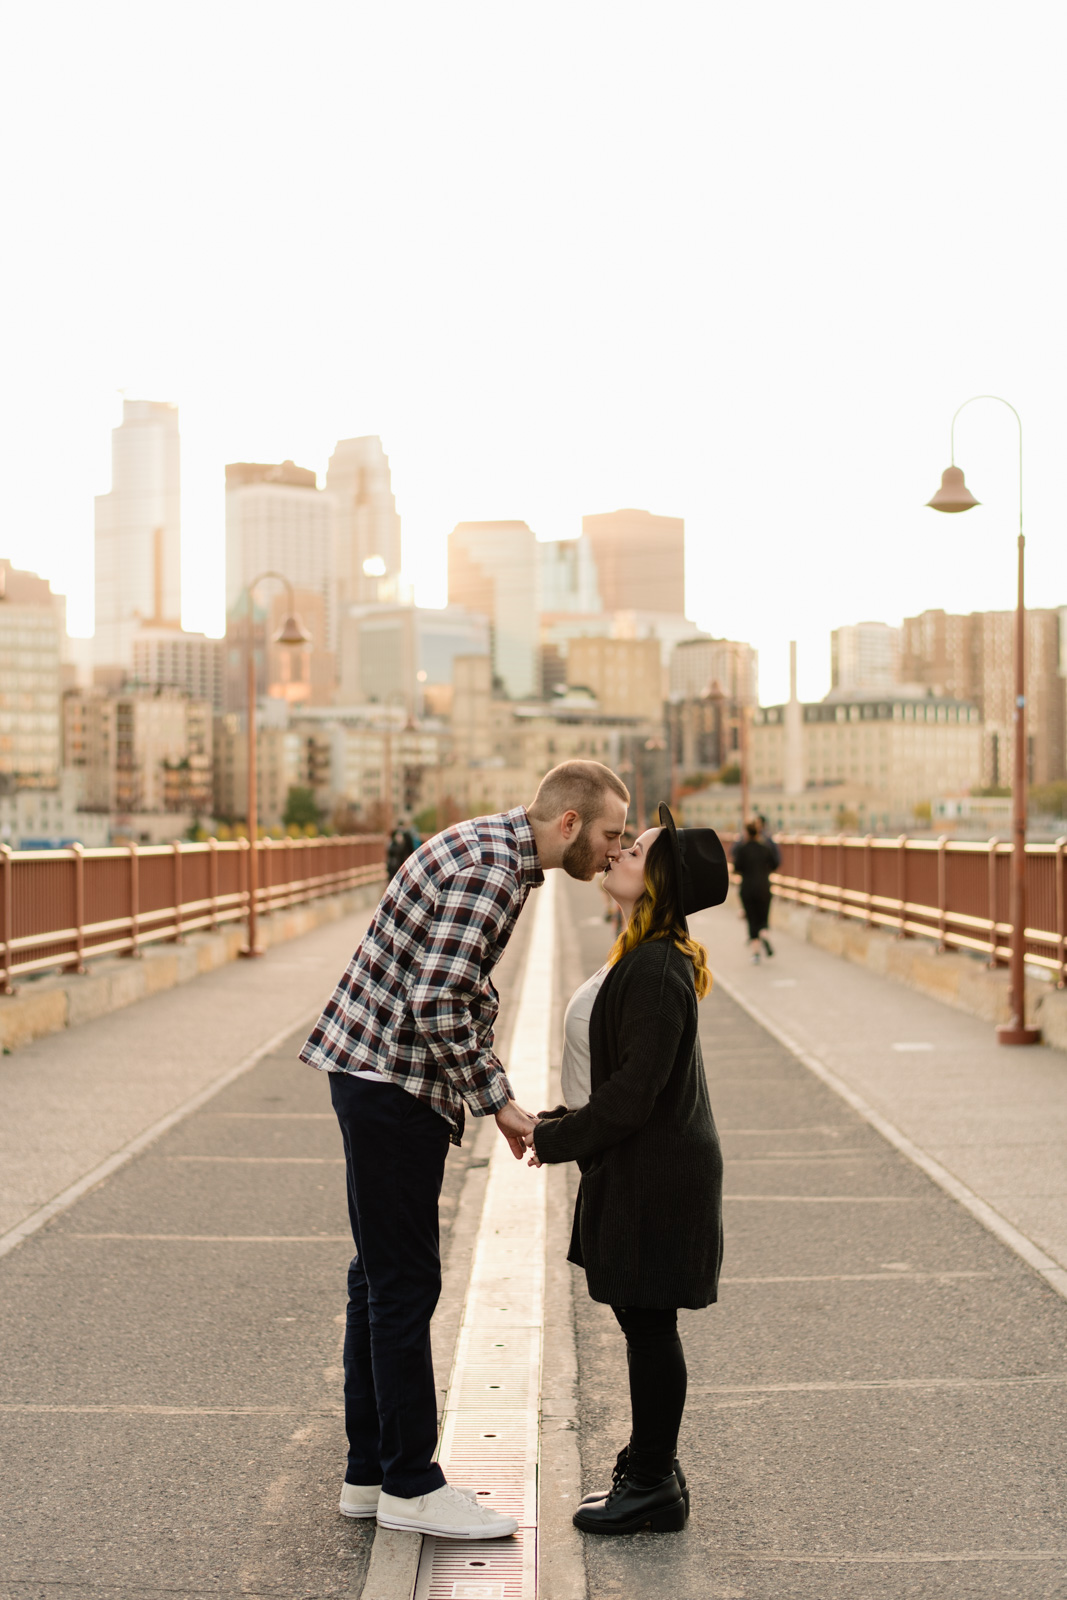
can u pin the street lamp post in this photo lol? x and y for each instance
(292, 632)
(954, 495)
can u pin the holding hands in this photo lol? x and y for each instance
(517, 1126)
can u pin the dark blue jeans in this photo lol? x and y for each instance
(395, 1150)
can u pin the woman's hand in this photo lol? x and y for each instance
(535, 1159)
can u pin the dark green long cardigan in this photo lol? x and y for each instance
(648, 1220)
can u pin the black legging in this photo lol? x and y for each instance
(757, 909)
(658, 1378)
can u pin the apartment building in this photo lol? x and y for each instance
(909, 750)
(32, 633)
(139, 751)
(972, 658)
(625, 675)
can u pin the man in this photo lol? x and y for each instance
(408, 1041)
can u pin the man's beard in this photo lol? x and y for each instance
(580, 859)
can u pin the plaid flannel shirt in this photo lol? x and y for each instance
(417, 1002)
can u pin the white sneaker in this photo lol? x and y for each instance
(361, 1499)
(447, 1513)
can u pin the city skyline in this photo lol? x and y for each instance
(647, 298)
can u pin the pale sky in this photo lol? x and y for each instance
(729, 262)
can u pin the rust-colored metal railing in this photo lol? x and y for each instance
(59, 908)
(953, 891)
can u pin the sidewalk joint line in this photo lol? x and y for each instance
(67, 1197)
(1054, 1275)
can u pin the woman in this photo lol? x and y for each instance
(647, 1224)
(755, 861)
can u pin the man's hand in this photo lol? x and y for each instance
(517, 1127)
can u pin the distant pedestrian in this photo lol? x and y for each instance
(754, 860)
(403, 842)
(638, 1121)
(407, 1039)
(765, 835)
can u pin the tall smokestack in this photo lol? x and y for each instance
(793, 759)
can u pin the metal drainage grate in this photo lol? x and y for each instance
(490, 1433)
(494, 1569)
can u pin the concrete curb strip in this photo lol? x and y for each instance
(1054, 1275)
(37, 1219)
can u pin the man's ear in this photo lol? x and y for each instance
(570, 825)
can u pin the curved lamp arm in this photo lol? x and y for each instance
(290, 596)
(1019, 420)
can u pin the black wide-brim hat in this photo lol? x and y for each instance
(701, 871)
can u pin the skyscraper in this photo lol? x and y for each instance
(278, 520)
(640, 560)
(138, 531)
(493, 568)
(568, 577)
(368, 527)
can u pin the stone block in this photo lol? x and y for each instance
(126, 981)
(30, 1015)
(160, 968)
(88, 997)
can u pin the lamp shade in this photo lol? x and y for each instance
(953, 494)
(292, 631)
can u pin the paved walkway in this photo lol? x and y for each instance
(878, 1403)
(170, 1388)
(70, 1101)
(993, 1117)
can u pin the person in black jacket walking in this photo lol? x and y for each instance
(648, 1219)
(755, 860)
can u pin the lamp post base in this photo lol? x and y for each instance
(1012, 1033)
(247, 954)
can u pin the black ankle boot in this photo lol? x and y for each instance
(618, 1472)
(628, 1508)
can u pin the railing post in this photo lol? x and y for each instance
(7, 900)
(213, 881)
(840, 876)
(245, 875)
(135, 899)
(78, 964)
(992, 891)
(902, 884)
(290, 855)
(1061, 913)
(942, 891)
(868, 874)
(176, 849)
(266, 876)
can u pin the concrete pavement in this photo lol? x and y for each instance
(995, 1118)
(72, 1100)
(877, 1406)
(878, 1403)
(170, 1392)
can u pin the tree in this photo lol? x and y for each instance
(300, 808)
(1049, 799)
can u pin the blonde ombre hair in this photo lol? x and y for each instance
(657, 915)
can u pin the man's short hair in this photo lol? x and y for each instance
(576, 786)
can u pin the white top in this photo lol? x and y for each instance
(574, 1072)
